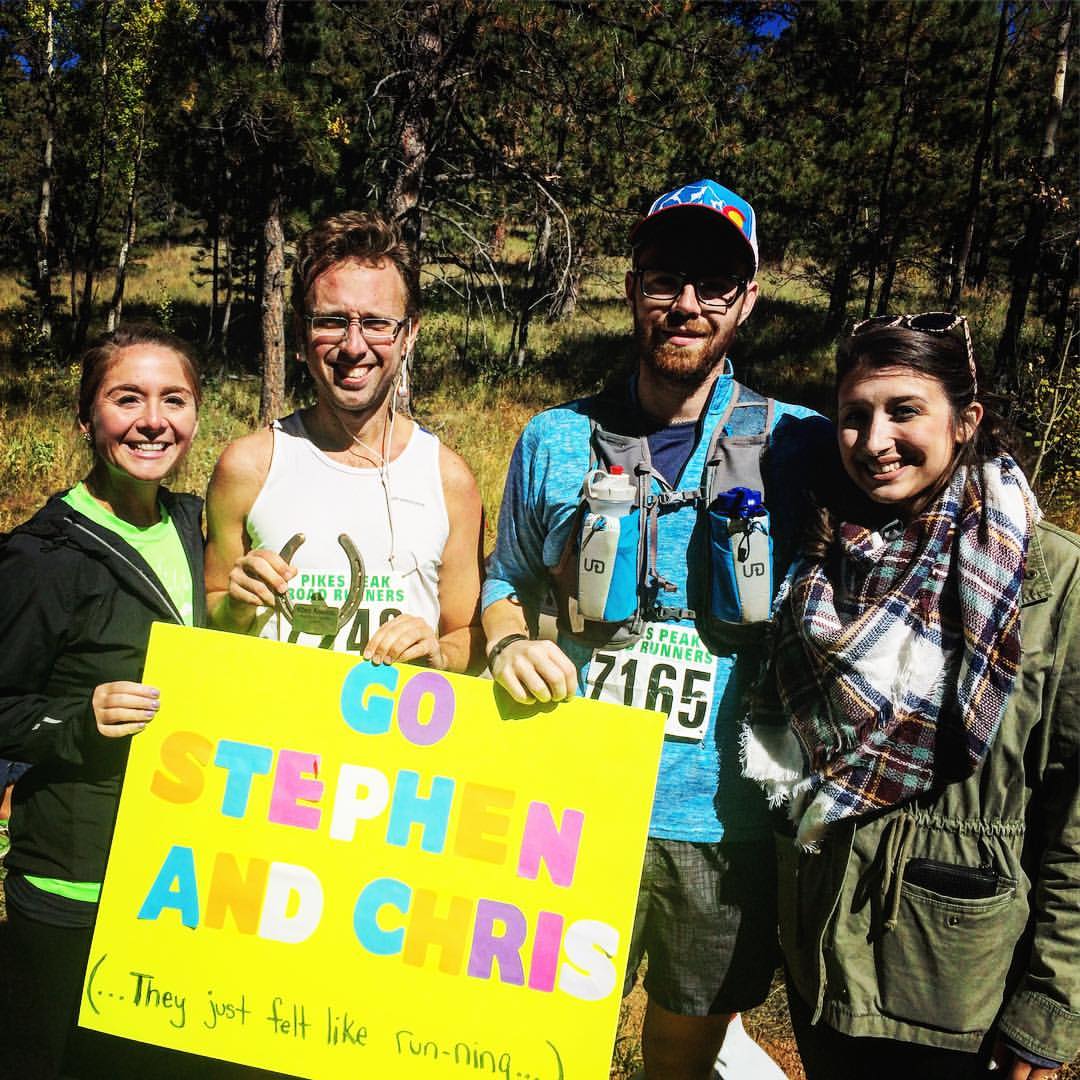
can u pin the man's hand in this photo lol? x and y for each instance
(124, 708)
(535, 671)
(257, 579)
(408, 639)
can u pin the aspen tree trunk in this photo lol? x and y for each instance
(541, 261)
(226, 316)
(117, 306)
(93, 227)
(273, 278)
(42, 267)
(215, 262)
(1026, 257)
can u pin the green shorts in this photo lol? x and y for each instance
(706, 920)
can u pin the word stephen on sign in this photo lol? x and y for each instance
(284, 901)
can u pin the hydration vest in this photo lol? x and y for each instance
(732, 461)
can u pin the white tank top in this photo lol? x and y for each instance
(307, 492)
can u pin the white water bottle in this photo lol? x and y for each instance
(607, 558)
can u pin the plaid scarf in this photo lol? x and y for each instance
(892, 664)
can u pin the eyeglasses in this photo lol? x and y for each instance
(711, 290)
(373, 329)
(928, 322)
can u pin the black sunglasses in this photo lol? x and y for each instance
(928, 322)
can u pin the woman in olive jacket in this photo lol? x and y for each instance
(920, 718)
(82, 581)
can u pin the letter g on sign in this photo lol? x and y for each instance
(367, 702)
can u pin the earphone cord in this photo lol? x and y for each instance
(384, 477)
(382, 466)
(399, 391)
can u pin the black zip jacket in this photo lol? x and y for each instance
(76, 606)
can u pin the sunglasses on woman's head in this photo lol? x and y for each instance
(929, 322)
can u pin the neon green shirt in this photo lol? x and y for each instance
(158, 544)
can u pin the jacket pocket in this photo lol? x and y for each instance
(944, 964)
(951, 879)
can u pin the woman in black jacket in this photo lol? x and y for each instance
(82, 581)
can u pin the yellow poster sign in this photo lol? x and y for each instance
(334, 869)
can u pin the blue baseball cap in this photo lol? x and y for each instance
(704, 196)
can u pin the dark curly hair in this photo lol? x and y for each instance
(368, 237)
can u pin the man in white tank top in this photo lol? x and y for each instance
(382, 521)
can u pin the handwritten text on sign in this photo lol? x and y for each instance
(322, 867)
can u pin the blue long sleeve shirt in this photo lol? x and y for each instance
(700, 794)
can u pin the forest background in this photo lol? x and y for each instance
(161, 156)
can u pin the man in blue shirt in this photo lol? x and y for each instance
(706, 909)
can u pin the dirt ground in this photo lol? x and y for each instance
(768, 1025)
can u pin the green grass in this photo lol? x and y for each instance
(467, 388)
(471, 396)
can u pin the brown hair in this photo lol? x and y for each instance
(99, 355)
(365, 236)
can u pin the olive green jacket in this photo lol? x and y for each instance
(940, 961)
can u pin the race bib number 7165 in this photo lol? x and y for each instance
(669, 670)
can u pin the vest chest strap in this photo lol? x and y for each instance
(660, 613)
(673, 499)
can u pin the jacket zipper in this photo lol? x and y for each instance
(163, 597)
(984, 873)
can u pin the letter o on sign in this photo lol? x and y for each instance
(415, 695)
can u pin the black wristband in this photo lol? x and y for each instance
(501, 644)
